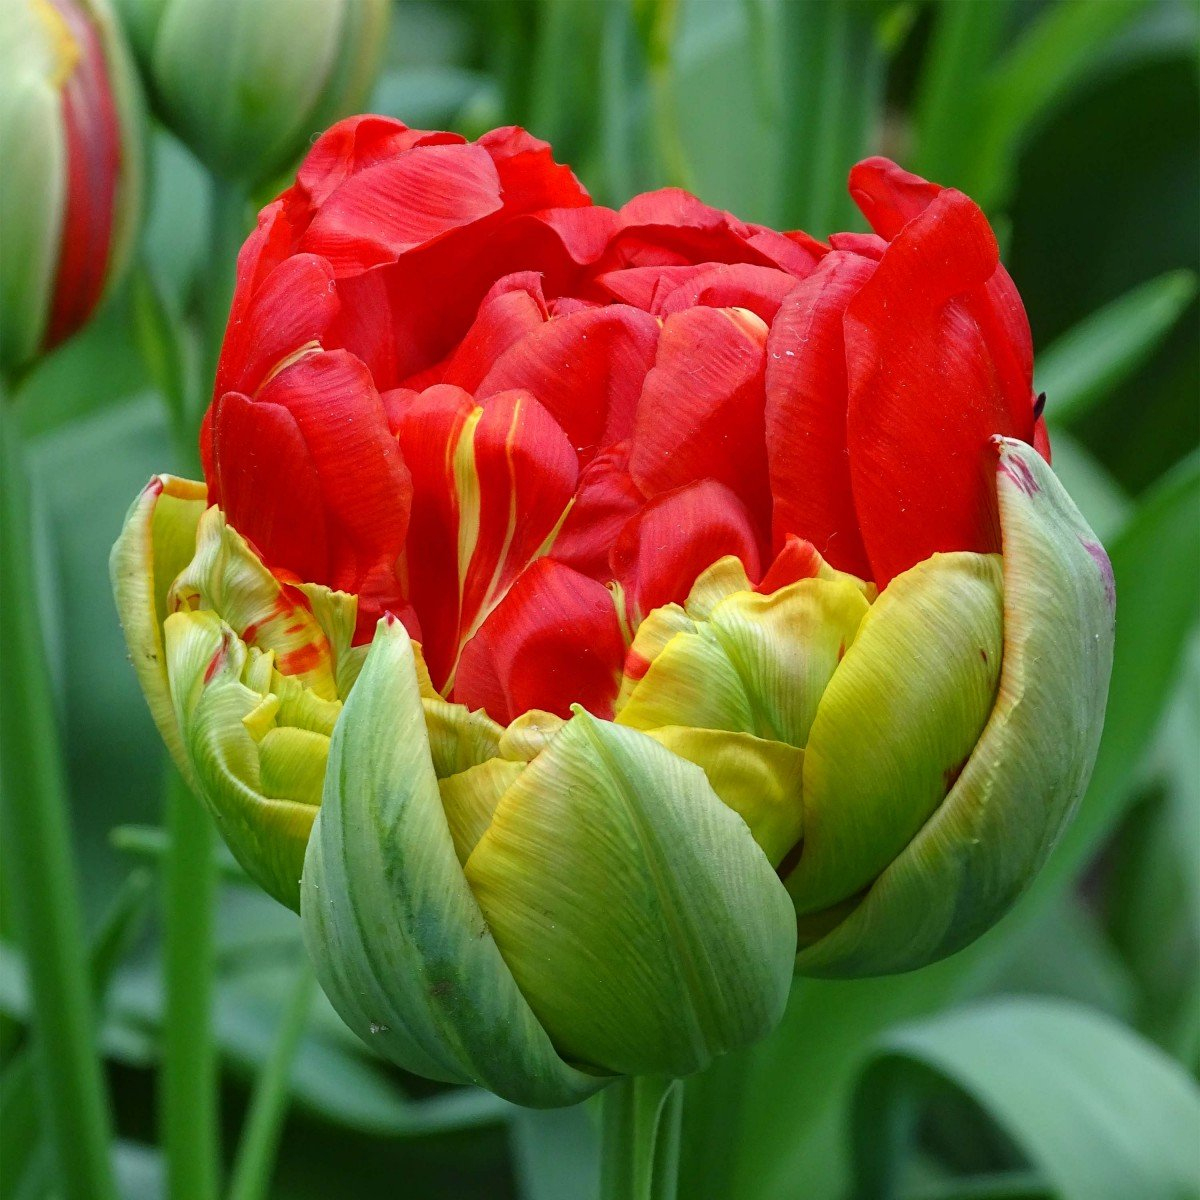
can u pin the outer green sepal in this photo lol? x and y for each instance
(398, 941)
(991, 834)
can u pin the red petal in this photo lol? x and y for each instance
(735, 285)
(700, 415)
(353, 145)
(888, 196)
(869, 245)
(513, 308)
(293, 307)
(806, 413)
(405, 318)
(933, 374)
(262, 475)
(365, 488)
(401, 203)
(585, 369)
(527, 473)
(428, 432)
(605, 499)
(671, 227)
(663, 290)
(555, 640)
(891, 197)
(530, 177)
(796, 560)
(489, 486)
(679, 534)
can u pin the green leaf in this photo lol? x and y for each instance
(1093, 359)
(833, 68)
(1052, 54)
(1100, 1113)
(947, 107)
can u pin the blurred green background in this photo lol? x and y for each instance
(1058, 1056)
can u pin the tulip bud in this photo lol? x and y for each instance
(70, 141)
(503, 653)
(246, 86)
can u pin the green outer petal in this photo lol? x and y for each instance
(156, 542)
(645, 927)
(1032, 764)
(205, 663)
(397, 939)
(897, 722)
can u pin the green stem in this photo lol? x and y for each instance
(188, 1096)
(41, 879)
(268, 1106)
(639, 1157)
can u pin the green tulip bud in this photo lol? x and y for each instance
(70, 192)
(247, 85)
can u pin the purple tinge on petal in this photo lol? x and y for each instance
(1104, 566)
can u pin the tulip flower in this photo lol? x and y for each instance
(70, 140)
(590, 617)
(246, 86)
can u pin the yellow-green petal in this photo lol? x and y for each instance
(896, 724)
(645, 927)
(470, 798)
(760, 780)
(758, 664)
(398, 942)
(226, 576)
(1032, 763)
(206, 663)
(156, 542)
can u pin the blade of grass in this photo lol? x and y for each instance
(37, 859)
(946, 113)
(1094, 358)
(254, 1164)
(832, 86)
(188, 1105)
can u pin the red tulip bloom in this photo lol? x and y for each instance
(458, 389)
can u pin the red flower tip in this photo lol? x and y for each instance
(518, 421)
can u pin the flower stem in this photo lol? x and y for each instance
(37, 858)
(268, 1105)
(189, 1103)
(639, 1158)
